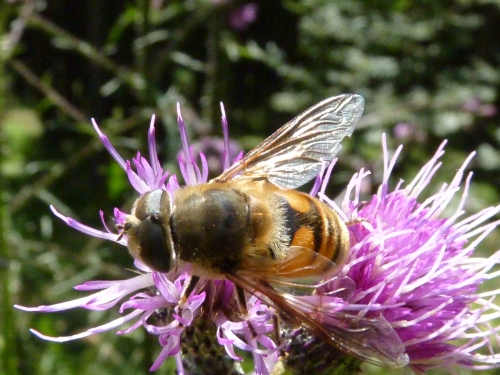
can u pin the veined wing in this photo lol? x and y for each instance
(296, 152)
(371, 339)
(313, 296)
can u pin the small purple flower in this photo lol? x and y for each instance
(243, 16)
(477, 106)
(407, 261)
(471, 105)
(406, 132)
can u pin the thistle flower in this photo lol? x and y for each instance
(415, 266)
(428, 269)
(419, 268)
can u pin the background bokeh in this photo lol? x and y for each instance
(429, 70)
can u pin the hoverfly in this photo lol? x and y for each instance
(249, 226)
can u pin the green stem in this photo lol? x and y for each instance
(8, 349)
(124, 75)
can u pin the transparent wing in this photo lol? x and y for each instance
(295, 153)
(312, 299)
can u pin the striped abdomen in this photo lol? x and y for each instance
(312, 224)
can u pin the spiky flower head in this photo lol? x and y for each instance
(408, 262)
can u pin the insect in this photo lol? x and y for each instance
(249, 226)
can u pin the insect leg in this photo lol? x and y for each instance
(276, 324)
(354, 222)
(242, 304)
(188, 290)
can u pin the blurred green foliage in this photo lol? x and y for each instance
(428, 70)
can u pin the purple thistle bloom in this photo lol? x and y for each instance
(406, 257)
(406, 261)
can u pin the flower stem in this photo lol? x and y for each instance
(8, 353)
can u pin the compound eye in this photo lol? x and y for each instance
(152, 246)
(149, 204)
